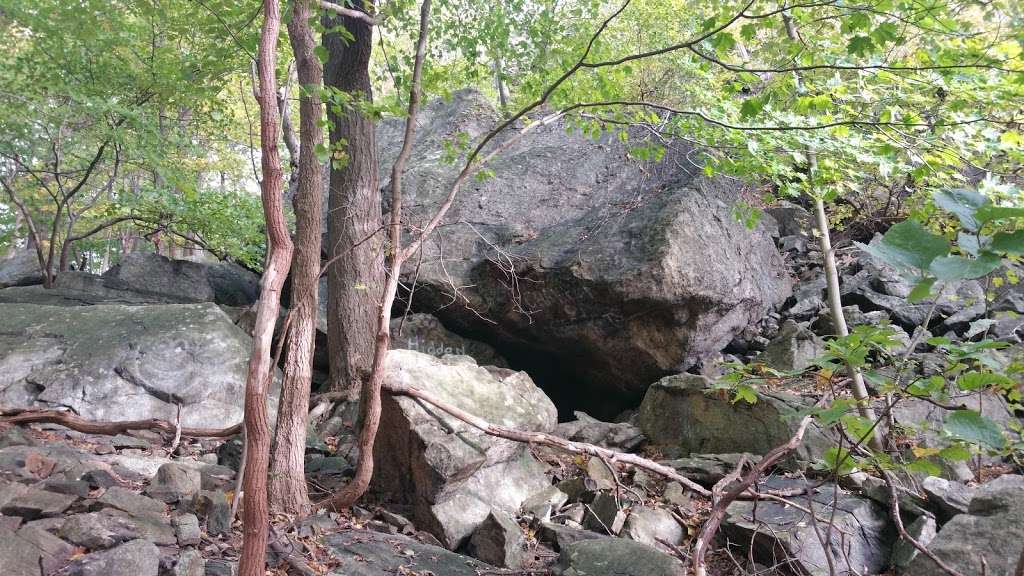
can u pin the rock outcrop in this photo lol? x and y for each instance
(610, 271)
(20, 268)
(121, 362)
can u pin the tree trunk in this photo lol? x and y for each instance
(287, 475)
(279, 248)
(356, 279)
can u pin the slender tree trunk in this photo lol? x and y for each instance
(370, 404)
(356, 279)
(287, 475)
(279, 247)
(499, 83)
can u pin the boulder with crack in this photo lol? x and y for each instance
(610, 270)
(120, 362)
(449, 472)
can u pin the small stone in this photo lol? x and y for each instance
(676, 495)
(603, 515)
(54, 552)
(125, 441)
(903, 552)
(403, 524)
(652, 526)
(135, 558)
(542, 504)
(576, 488)
(103, 449)
(186, 529)
(600, 473)
(30, 503)
(607, 556)
(18, 557)
(559, 536)
(130, 502)
(214, 507)
(99, 479)
(948, 497)
(78, 488)
(499, 541)
(174, 482)
(15, 436)
(97, 531)
(190, 563)
(220, 567)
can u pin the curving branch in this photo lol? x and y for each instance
(79, 424)
(349, 12)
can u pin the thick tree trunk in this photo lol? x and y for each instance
(356, 279)
(279, 246)
(287, 476)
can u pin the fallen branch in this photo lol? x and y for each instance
(79, 424)
(721, 498)
(894, 511)
(550, 440)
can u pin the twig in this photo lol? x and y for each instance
(894, 509)
(707, 532)
(177, 431)
(79, 424)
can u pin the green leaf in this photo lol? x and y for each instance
(837, 410)
(990, 213)
(960, 268)
(971, 381)
(922, 290)
(1008, 242)
(923, 466)
(955, 453)
(963, 203)
(860, 46)
(751, 107)
(908, 245)
(745, 393)
(972, 427)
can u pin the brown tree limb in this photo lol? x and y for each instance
(722, 497)
(79, 424)
(894, 512)
(550, 440)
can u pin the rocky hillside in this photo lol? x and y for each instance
(576, 283)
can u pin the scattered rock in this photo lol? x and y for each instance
(190, 563)
(214, 507)
(992, 528)
(948, 498)
(135, 558)
(653, 526)
(615, 435)
(707, 469)
(30, 503)
(903, 552)
(542, 504)
(221, 567)
(97, 531)
(684, 414)
(499, 541)
(186, 529)
(792, 349)
(449, 472)
(130, 502)
(174, 482)
(363, 553)
(781, 533)
(617, 556)
(560, 536)
(604, 515)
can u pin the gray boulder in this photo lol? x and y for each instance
(685, 414)
(450, 473)
(135, 558)
(653, 526)
(367, 553)
(31, 551)
(119, 362)
(220, 282)
(499, 541)
(992, 529)
(860, 541)
(792, 349)
(20, 268)
(617, 271)
(605, 556)
(425, 333)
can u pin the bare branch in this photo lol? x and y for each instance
(349, 12)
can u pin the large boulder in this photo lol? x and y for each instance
(686, 414)
(992, 530)
(120, 362)
(859, 541)
(606, 271)
(20, 268)
(425, 333)
(221, 282)
(368, 553)
(449, 472)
